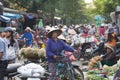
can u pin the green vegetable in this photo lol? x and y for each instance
(118, 63)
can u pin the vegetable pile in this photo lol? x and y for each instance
(32, 53)
(104, 73)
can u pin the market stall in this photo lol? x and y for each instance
(12, 15)
(4, 21)
(98, 72)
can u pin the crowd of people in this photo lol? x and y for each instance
(48, 37)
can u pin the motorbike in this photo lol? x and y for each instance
(11, 71)
(33, 70)
(116, 75)
(87, 47)
(101, 49)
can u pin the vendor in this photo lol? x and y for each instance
(110, 58)
(111, 38)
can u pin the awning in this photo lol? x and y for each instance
(30, 16)
(4, 19)
(13, 16)
(11, 10)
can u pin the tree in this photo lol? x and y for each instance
(105, 7)
(73, 11)
(27, 5)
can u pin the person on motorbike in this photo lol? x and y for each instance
(111, 38)
(54, 47)
(109, 58)
(110, 47)
(85, 41)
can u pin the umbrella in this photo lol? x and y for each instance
(4, 19)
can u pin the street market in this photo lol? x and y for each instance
(59, 40)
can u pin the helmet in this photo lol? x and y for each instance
(9, 29)
(102, 24)
(111, 30)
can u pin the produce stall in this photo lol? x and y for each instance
(97, 72)
(106, 73)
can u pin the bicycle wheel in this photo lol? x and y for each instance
(68, 75)
(78, 73)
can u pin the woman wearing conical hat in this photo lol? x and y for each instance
(54, 48)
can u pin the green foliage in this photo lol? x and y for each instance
(105, 7)
(73, 11)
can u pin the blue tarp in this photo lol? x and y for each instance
(13, 16)
(4, 19)
(30, 16)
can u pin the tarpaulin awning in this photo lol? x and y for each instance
(13, 16)
(4, 19)
(30, 16)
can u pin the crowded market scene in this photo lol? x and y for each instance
(59, 40)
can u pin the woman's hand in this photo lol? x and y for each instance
(75, 51)
(56, 57)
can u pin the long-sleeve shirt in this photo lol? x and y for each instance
(12, 51)
(102, 31)
(28, 36)
(55, 48)
(3, 49)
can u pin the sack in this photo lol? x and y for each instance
(31, 69)
(11, 53)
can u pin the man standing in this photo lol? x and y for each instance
(3, 58)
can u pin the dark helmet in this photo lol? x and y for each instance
(111, 30)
